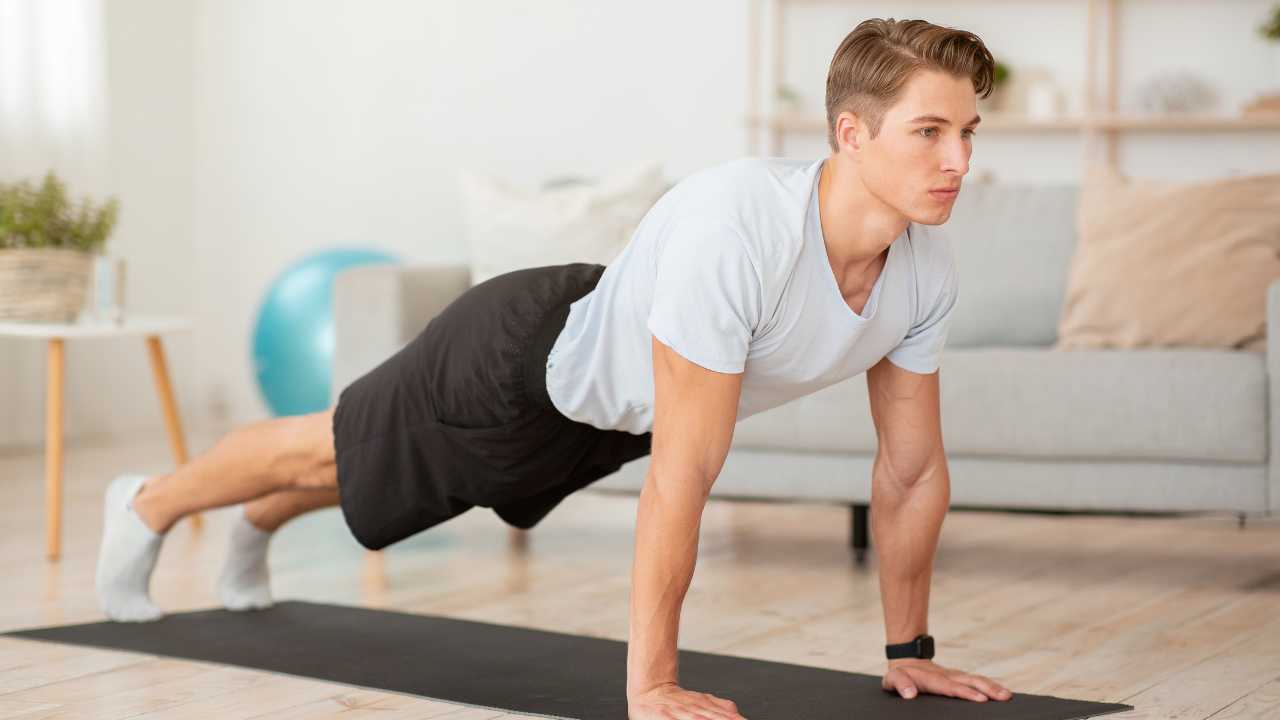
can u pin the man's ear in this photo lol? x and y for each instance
(848, 125)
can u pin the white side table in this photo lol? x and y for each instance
(150, 327)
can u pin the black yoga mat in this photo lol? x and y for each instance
(520, 669)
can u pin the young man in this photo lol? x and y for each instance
(747, 285)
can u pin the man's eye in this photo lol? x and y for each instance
(926, 132)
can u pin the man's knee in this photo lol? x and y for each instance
(324, 476)
(304, 452)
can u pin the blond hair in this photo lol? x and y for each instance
(875, 60)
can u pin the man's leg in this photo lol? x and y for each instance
(269, 512)
(245, 581)
(289, 453)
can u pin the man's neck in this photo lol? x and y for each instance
(856, 226)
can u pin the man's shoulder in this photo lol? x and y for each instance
(753, 206)
(744, 176)
(763, 199)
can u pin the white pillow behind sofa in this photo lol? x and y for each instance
(510, 228)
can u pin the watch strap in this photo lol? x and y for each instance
(919, 647)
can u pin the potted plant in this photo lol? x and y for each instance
(998, 100)
(47, 244)
(1270, 31)
(789, 100)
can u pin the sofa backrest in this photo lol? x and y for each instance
(1013, 244)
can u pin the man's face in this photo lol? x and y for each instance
(924, 145)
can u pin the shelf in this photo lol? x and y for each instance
(1011, 122)
(1253, 121)
(1106, 123)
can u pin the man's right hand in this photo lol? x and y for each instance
(669, 701)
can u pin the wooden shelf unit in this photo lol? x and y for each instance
(1100, 124)
(1014, 122)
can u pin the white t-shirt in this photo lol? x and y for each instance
(730, 270)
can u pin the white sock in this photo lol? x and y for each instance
(245, 583)
(126, 556)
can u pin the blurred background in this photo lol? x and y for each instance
(240, 136)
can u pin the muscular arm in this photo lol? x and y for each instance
(910, 493)
(694, 414)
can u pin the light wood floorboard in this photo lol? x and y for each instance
(1177, 615)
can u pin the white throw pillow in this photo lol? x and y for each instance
(510, 228)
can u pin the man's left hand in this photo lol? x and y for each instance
(911, 676)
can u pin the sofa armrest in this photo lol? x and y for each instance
(425, 290)
(379, 308)
(1273, 391)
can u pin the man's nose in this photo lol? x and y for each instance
(956, 157)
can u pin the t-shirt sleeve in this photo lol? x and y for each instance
(921, 350)
(706, 295)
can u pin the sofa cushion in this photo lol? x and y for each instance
(1012, 244)
(567, 220)
(1165, 263)
(1163, 404)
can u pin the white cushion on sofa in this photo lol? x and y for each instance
(510, 228)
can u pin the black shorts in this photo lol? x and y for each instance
(459, 417)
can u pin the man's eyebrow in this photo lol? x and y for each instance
(943, 121)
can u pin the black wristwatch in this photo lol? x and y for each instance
(920, 647)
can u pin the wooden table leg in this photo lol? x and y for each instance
(53, 450)
(172, 421)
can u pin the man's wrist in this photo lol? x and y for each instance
(639, 688)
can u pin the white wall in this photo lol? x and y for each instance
(252, 133)
(148, 146)
(324, 123)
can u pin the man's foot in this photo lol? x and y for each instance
(126, 556)
(245, 583)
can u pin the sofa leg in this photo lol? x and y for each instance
(858, 532)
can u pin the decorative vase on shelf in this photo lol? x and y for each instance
(1175, 91)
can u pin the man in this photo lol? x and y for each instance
(747, 285)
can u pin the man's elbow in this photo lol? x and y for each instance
(908, 472)
(680, 488)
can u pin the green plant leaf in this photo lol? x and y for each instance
(45, 216)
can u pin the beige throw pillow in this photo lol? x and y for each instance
(509, 228)
(1171, 264)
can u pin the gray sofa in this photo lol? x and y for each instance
(1025, 426)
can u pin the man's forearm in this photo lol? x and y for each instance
(666, 548)
(907, 521)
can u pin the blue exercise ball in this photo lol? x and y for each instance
(293, 336)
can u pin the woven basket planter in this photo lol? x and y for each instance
(43, 285)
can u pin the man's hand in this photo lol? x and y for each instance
(912, 675)
(669, 700)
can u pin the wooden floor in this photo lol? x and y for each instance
(1178, 616)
